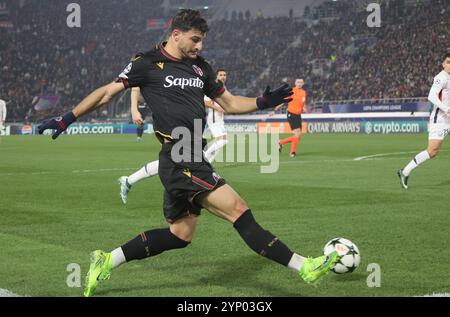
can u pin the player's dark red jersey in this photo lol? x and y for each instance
(174, 89)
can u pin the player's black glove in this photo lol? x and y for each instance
(59, 124)
(273, 98)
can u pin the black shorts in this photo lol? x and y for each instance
(295, 120)
(183, 182)
(144, 112)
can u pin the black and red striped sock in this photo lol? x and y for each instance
(151, 243)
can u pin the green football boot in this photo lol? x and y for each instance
(315, 268)
(99, 270)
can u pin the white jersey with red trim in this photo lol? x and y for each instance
(439, 96)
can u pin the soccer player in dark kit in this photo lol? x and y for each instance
(139, 111)
(174, 79)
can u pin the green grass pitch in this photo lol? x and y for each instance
(59, 201)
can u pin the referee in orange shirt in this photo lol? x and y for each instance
(294, 115)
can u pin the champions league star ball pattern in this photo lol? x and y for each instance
(349, 252)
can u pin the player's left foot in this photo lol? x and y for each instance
(403, 179)
(124, 188)
(315, 268)
(138, 139)
(293, 154)
(99, 270)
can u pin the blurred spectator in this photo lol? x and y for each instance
(339, 56)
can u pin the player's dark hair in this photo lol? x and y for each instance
(447, 55)
(220, 70)
(187, 19)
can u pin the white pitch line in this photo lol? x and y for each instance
(436, 295)
(226, 164)
(373, 157)
(104, 170)
(360, 158)
(6, 293)
(74, 171)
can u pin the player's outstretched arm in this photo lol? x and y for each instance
(276, 109)
(135, 114)
(269, 99)
(95, 99)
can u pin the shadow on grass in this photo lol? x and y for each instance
(430, 185)
(342, 278)
(444, 183)
(235, 274)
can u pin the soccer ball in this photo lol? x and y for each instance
(349, 252)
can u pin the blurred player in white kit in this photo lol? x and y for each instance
(2, 112)
(439, 126)
(215, 121)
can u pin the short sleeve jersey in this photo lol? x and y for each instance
(173, 89)
(298, 101)
(441, 88)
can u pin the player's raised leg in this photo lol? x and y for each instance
(147, 244)
(215, 147)
(284, 141)
(295, 122)
(432, 150)
(126, 182)
(225, 203)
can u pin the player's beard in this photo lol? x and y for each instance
(187, 53)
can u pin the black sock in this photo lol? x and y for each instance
(261, 241)
(151, 243)
(140, 131)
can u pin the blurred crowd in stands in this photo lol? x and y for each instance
(397, 60)
(339, 57)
